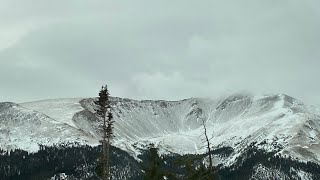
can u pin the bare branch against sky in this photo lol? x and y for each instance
(168, 49)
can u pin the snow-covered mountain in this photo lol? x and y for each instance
(25, 129)
(273, 122)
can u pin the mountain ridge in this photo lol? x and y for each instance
(279, 120)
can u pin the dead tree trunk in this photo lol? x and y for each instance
(104, 150)
(212, 171)
(108, 159)
(207, 144)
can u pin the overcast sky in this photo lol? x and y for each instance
(168, 49)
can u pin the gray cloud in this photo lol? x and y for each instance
(158, 50)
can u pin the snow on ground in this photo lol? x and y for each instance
(26, 128)
(61, 110)
(175, 126)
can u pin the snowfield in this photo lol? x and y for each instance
(273, 121)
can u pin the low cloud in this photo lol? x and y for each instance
(158, 50)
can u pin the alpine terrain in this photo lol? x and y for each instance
(254, 137)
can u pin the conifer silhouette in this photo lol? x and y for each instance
(103, 110)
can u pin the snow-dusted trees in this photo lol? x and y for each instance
(103, 110)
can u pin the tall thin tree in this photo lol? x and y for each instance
(211, 171)
(103, 110)
(207, 140)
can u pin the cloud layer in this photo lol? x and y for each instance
(158, 50)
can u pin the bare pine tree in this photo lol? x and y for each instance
(103, 110)
(212, 173)
(207, 141)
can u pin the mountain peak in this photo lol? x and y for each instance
(236, 120)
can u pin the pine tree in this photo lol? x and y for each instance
(103, 110)
(155, 163)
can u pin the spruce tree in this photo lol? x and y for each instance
(103, 110)
(155, 163)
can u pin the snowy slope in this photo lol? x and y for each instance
(61, 110)
(273, 121)
(25, 129)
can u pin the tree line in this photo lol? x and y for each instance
(107, 162)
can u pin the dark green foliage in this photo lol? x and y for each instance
(195, 169)
(223, 152)
(79, 161)
(243, 169)
(174, 166)
(201, 173)
(154, 165)
(188, 167)
(99, 167)
(103, 110)
(103, 102)
(18, 164)
(189, 163)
